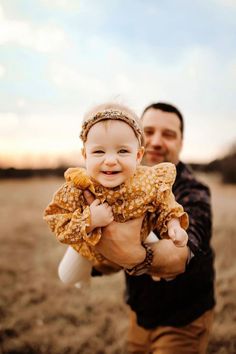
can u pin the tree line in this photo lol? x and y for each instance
(225, 166)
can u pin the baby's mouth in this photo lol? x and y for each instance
(110, 172)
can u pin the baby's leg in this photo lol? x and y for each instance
(152, 238)
(74, 269)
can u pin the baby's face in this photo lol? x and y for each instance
(111, 152)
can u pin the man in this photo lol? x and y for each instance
(170, 317)
(167, 316)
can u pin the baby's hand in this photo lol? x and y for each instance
(101, 214)
(178, 235)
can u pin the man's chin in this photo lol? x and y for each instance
(152, 160)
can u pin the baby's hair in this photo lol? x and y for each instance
(110, 105)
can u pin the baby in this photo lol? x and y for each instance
(113, 149)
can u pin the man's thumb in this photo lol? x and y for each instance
(89, 197)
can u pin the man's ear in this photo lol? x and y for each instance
(83, 152)
(181, 145)
(140, 154)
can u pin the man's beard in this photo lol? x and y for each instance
(146, 161)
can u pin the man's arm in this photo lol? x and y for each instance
(196, 200)
(168, 260)
(121, 244)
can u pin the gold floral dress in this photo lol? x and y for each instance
(148, 192)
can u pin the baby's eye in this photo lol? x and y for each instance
(97, 152)
(123, 151)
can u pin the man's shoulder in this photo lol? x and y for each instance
(187, 180)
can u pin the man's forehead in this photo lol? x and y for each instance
(157, 119)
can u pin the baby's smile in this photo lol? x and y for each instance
(110, 172)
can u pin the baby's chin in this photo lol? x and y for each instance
(111, 185)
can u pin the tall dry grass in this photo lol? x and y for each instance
(38, 314)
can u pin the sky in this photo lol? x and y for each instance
(58, 58)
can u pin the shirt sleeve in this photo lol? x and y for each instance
(168, 208)
(196, 199)
(68, 217)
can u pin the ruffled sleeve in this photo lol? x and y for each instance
(68, 217)
(167, 205)
(79, 178)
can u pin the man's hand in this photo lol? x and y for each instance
(120, 242)
(169, 260)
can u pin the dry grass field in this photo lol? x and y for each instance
(38, 314)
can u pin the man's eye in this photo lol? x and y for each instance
(169, 135)
(148, 132)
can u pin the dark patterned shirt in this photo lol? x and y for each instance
(189, 295)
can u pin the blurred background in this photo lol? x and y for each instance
(57, 59)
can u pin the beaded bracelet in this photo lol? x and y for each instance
(143, 267)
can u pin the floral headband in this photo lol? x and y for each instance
(112, 114)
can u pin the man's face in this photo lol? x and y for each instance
(162, 135)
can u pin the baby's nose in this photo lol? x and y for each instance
(110, 159)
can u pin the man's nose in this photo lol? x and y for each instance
(156, 139)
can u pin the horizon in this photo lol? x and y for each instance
(53, 162)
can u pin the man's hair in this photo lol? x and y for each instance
(166, 107)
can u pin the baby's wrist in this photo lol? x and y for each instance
(173, 223)
(89, 229)
(93, 221)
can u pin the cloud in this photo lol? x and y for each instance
(8, 122)
(39, 140)
(65, 5)
(44, 38)
(232, 74)
(2, 71)
(226, 3)
(196, 82)
(195, 76)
